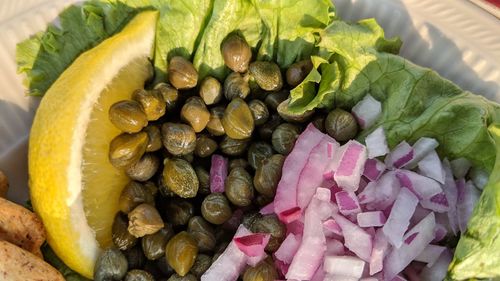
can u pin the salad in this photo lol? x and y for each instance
(253, 140)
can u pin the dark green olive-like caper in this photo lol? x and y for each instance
(164, 267)
(267, 75)
(266, 130)
(272, 225)
(261, 201)
(170, 95)
(153, 245)
(151, 186)
(263, 271)
(290, 116)
(274, 99)
(319, 122)
(178, 139)
(178, 211)
(214, 125)
(203, 233)
(238, 120)
(181, 252)
(188, 157)
(268, 175)
(257, 152)
(179, 176)
(135, 257)
(284, 137)
(145, 168)
(128, 116)
(110, 265)
(188, 277)
(341, 125)
(133, 195)
(126, 149)
(154, 138)
(259, 111)
(201, 264)
(236, 86)
(239, 187)
(144, 220)
(195, 113)
(215, 208)
(122, 239)
(238, 162)
(219, 250)
(296, 73)
(181, 73)
(233, 147)
(249, 218)
(139, 275)
(223, 234)
(236, 53)
(205, 146)
(210, 90)
(204, 179)
(152, 103)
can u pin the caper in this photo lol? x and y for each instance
(219, 250)
(238, 120)
(284, 137)
(164, 267)
(272, 225)
(297, 72)
(139, 275)
(290, 116)
(201, 264)
(233, 147)
(236, 86)
(135, 257)
(267, 75)
(205, 146)
(181, 73)
(126, 149)
(188, 277)
(110, 265)
(145, 168)
(178, 211)
(215, 208)
(154, 138)
(133, 195)
(257, 152)
(214, 125)
(195, 113)
(144, 220)
(153, 245)
(236, 53)
(266, 130)
(263, 271)
(151, 187)
(238, 162)
(178, 139)
(203, 233)
(268, 175)
(152, 103)
(119, 233)
(210, 90)
(188, 157)
(239, 188)
(204, 179)
(170, 95)
(128, 116)
(259, 111)
(249, 218)
(181, 252)
(341, 125)
(179, 176)
(261, 200)
(274, 99)
(319, 122)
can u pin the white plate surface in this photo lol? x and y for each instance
(453, 37)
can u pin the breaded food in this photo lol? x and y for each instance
(4, 185)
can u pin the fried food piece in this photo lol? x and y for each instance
(21, 227)
(18, 264)
(4, 185)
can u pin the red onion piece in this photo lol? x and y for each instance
(430, 254)
(468, 195)
(218, 173)
(439, 269)
(369, 219)
(437, 203)
(367, 111)
(399, 156)
(421, 148)
(373, 169)
(288, 248)
(380, 247)
(356, 239)
(376, 143)
(253, 244)
(334, 248)
(332, 229)
(439, 232)
(451, 191)
(344, 266)
(347, 202)
(386, 190)
(460, 167)
(423, 187)
(351, 166)
(431, 167)
(268, 209)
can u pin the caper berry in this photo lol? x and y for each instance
(215, 208)
(179, 177)
(195, 113)
(170, 95)
(181, 73)
(263, 271)
(144, 220)
(203, 233)
(204, 179)
(298, 71)
(238, 120)
(319, 122)
(283, 138)
(201, 264)
(266, 130)
(178, 139)
(126, 149)
(233, 147)
(341, 125)
(236, 86)
(153, 245)
(145, 168)
(154, 138)
(135, 257)
(205, 146)
(152, 103)
(274, 99)
(236, 53)
(214, 125)
(238, 162)
(139, 275)
(257, 152)
(272, 225)
(128, 116)
(181, 252)
(122, 239)
(210, 90)
(133, 195)
(268, 175)
(239, 188)
(110, 265)
(259, 111)
(178, 211)
(188, 277)
(267, 75)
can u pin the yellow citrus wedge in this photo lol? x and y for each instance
(73, 186)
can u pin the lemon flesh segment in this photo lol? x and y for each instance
(73, 187)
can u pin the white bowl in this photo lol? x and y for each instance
(455, 38)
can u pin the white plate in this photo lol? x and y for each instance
(455, 38)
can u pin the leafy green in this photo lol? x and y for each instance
(51, 257)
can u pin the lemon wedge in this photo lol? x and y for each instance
(73, 186)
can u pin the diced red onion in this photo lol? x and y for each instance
(351, 166)
(268, 209)
(386, 190)
(369, 279)
(430, 166)
(437, 203)
(334, 248)
(439, 232)
(330, 277)
(373, 169)
(423, 187)
(437, 272)
(460, 167)
(420, 149)
(344, 266)
(288, 248)
(399, 219)
(399, 156)
(368, 193)
(328, 175)
(398, 278)
(296, 227)
(319, 275)
(218, 173)
(468, 195)
(374, 218)
(376, 143)
(347, 202)
(451, 191)
(356, 239)
(380, 247)
(290, 215)
(367, 111)
(430, 254)
(281, 267)
(398, 258)
(253, 244)
(332, 229)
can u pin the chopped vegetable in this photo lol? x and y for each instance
(348, 173)
(344, 266)
(347, 202)
(376, 144)
(468, 195)
(356, 239)
(373, 169)
(401, 155)
(252, 245)
(421, 148)
(288, 248)
(218, 173)
(367, 111)
(369, 219)
(430, 166)
(430, 254)
(399, 219)
(379, 251)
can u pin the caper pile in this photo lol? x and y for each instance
(170, 226)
